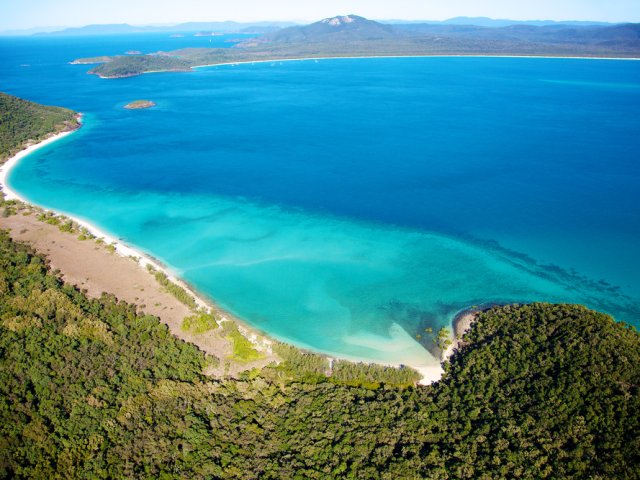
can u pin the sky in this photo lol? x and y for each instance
(22, 14)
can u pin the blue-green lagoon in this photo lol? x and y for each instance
(347, 205)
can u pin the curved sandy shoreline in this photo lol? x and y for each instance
(429, 373)
(460, 324)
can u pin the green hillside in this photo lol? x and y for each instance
(22, 121)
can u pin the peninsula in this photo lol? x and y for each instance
(536, 387)
(354, 36)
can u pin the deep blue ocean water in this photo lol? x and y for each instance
(346, 205)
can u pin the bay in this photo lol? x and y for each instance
(346, 205)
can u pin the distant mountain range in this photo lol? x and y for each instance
(492, 22)
(29, 31)
(265, 27)
(221, 27)
(453, 37)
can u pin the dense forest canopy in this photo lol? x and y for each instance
(96, 389)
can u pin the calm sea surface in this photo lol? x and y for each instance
(346, 205)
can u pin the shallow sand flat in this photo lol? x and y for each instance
(93, 268)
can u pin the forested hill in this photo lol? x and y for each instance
(94, 389)
(22, 122)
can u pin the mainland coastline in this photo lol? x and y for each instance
(368, 37)
(352, 36)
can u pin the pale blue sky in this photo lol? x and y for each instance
(16, 14)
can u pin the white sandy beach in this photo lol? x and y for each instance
(123, 274)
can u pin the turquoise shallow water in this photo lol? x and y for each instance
(347, 205)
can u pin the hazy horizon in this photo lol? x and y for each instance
(31, 14)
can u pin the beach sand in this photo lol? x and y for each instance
(430, 374)
(463, 322)
(356, 57)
